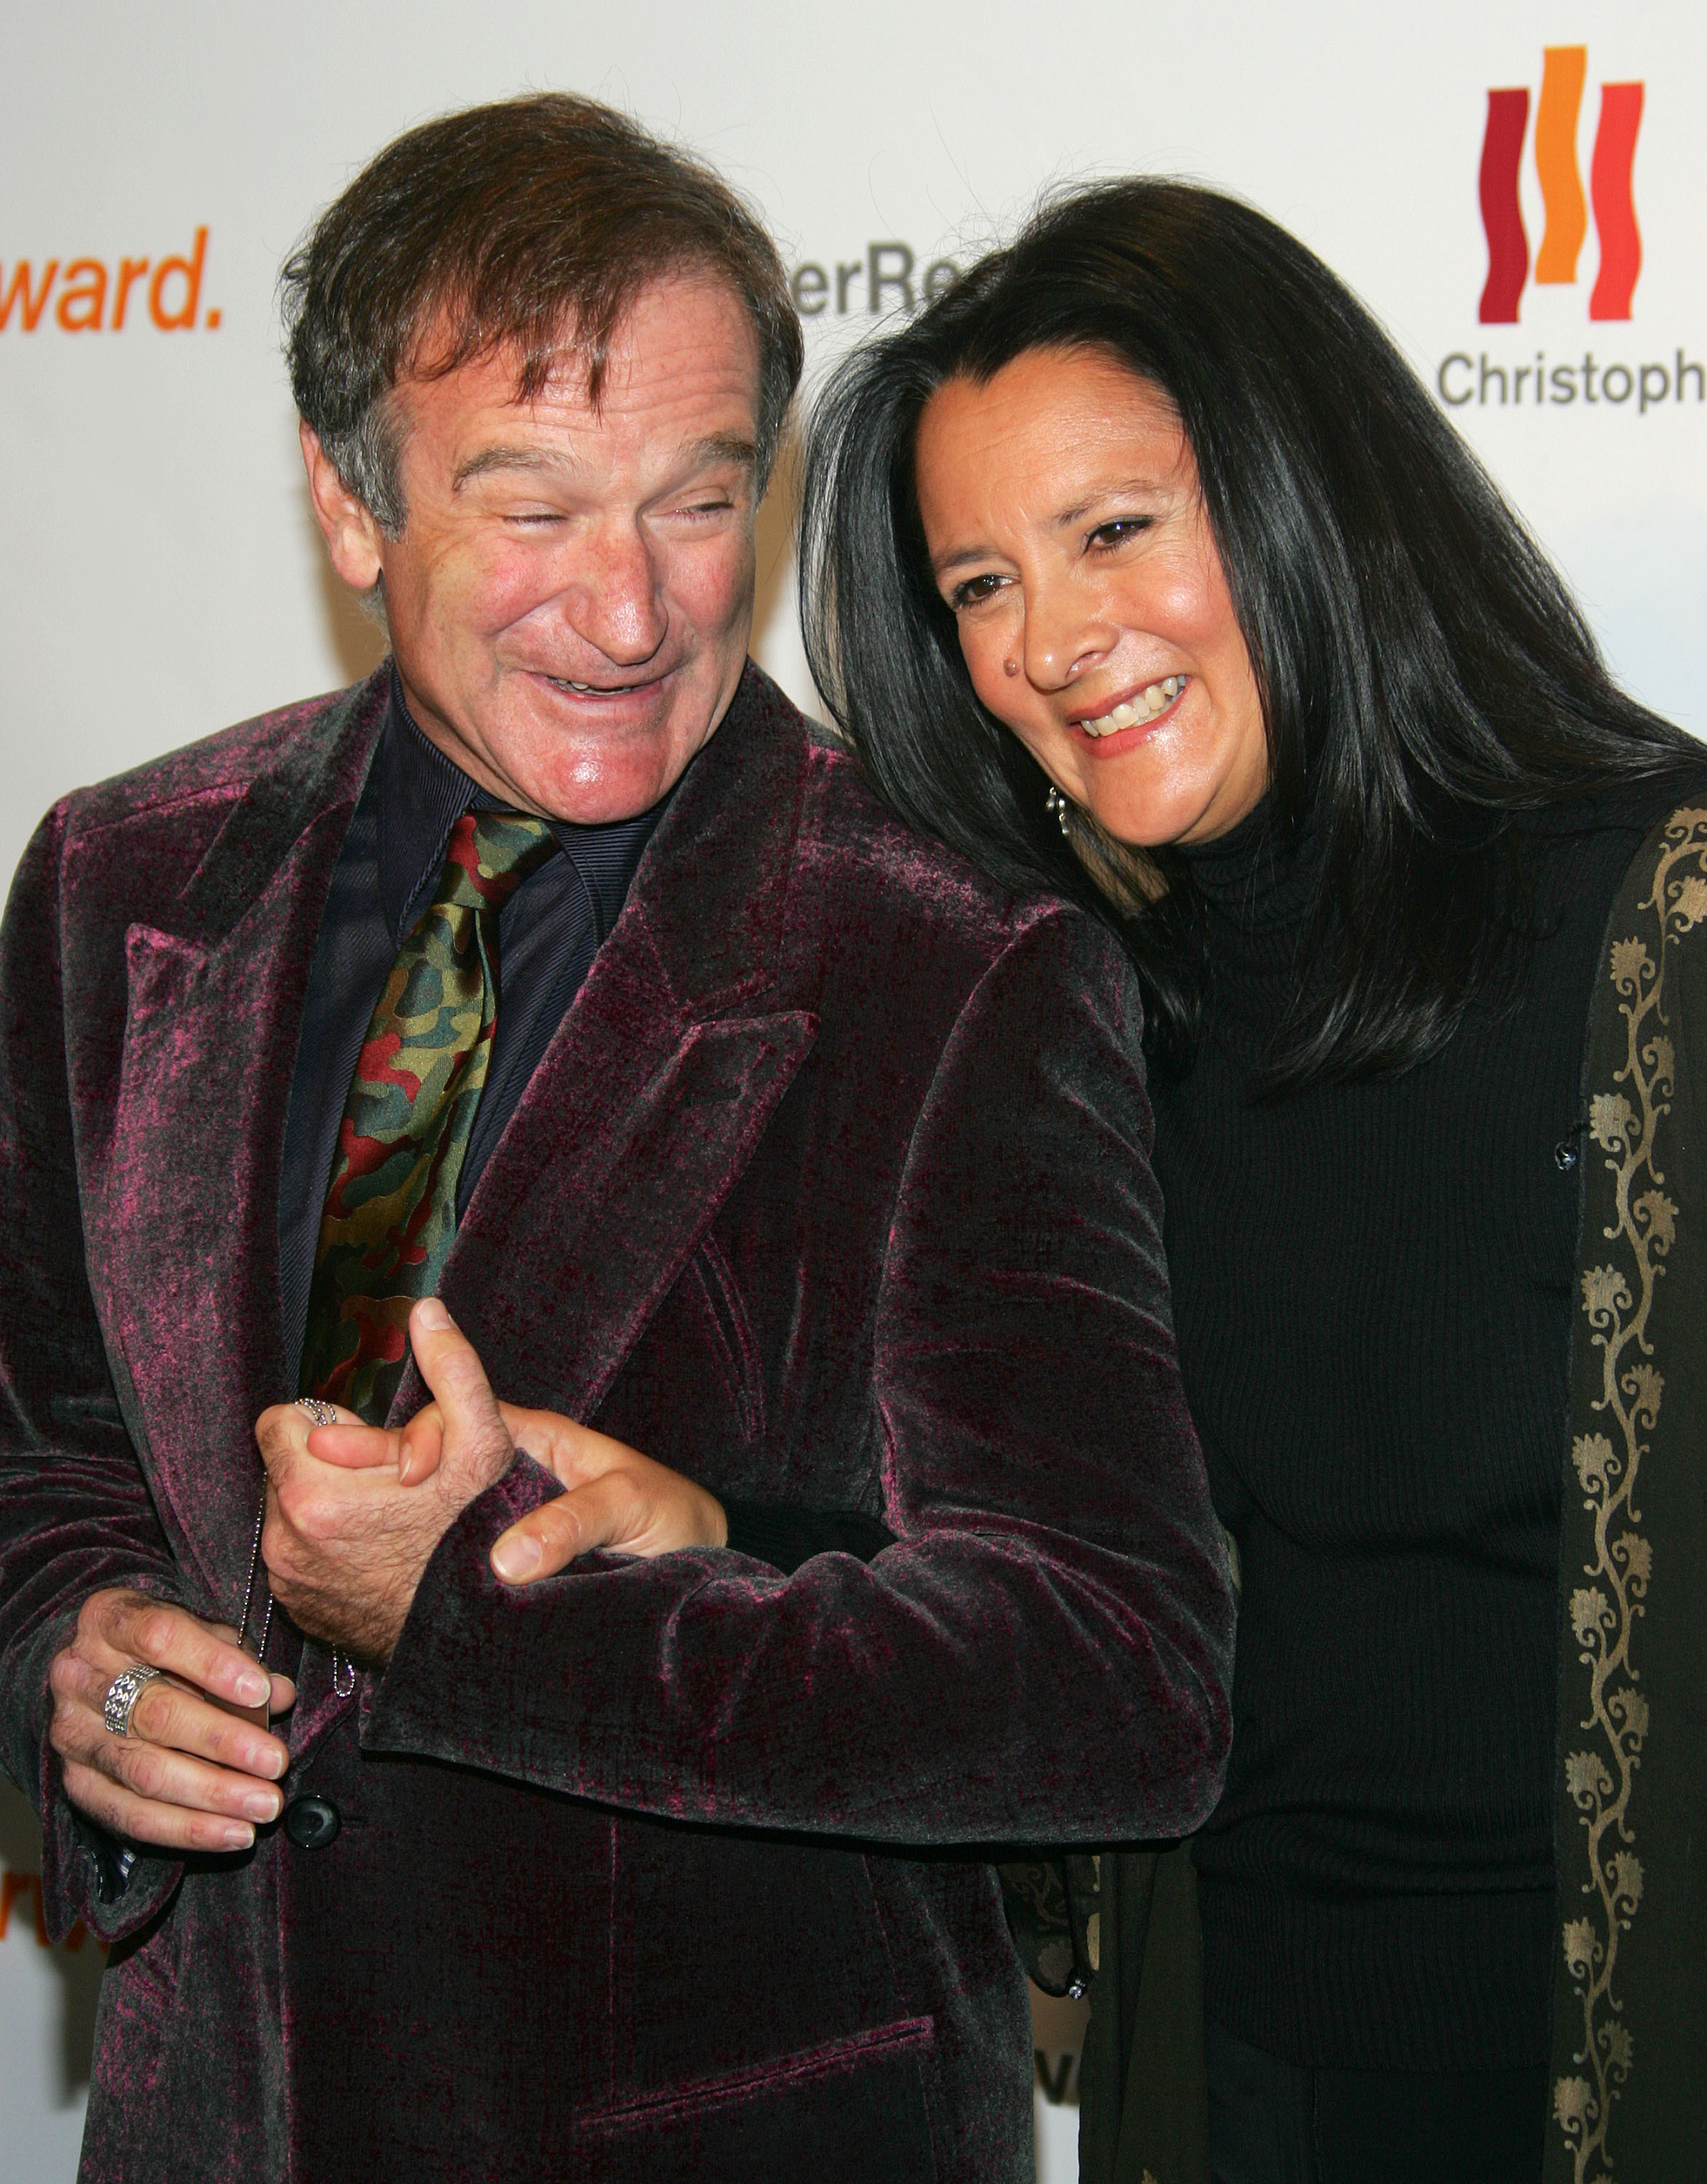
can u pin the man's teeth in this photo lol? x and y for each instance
(1156, 698)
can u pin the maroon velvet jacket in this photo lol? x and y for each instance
(833, 1187)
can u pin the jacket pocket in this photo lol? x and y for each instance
(846, 2111)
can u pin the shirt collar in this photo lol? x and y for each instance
(421, 795)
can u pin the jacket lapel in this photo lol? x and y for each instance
(658, 1087)
(186, 1267)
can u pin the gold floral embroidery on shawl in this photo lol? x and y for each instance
(1618, 1299)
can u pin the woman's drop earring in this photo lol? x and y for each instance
(1055, 802)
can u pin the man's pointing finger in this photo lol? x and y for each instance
(475, 1434)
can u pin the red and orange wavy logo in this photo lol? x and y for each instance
(1611, 190)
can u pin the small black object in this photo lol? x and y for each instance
(311, 1822)
(1569, 1150)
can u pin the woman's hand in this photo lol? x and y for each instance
(615, 1497)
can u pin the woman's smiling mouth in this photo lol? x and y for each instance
(1138, 711)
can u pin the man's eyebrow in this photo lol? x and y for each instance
(723, 448)
(501, 458)
(698, 455)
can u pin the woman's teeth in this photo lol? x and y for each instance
(1156, 698)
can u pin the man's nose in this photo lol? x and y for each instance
(614, 597)
(1066, 633)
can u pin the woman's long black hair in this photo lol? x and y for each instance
(1425, 675)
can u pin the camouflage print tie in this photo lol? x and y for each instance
(391, 1209)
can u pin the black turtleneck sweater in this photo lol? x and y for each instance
(1373, 1286)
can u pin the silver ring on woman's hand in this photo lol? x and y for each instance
(323, 1414)
(122, 1695)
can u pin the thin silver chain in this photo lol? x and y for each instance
(343, 1669)
(249, 1589)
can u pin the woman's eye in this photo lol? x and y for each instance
(973, 591)
(1120, 531)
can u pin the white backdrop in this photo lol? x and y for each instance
(159, 572)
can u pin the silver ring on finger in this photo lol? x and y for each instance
(122, 1695)
(323, 1414)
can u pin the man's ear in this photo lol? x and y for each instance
(352, 536)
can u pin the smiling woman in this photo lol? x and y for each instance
(1141, 569)
(1417, 659)
(1068, 537)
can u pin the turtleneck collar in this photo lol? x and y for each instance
(1257, 879)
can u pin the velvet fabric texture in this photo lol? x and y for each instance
(832, 1188)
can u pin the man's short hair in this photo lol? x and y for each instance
(497, 229)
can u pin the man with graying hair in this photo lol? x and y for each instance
(596, 1783)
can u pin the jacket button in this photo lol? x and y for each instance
(311, 1822)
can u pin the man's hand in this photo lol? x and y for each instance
(191, 1775)
(347, 1540)
(616, 1497)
